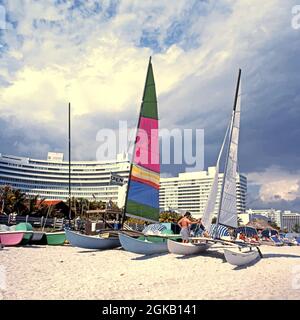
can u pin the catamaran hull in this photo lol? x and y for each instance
(240, 258)
(56, 238)
(11, 238)
(187, 248)
(142, 247)
(91, 242)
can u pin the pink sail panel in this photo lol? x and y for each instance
(147, 145)
(11, 238)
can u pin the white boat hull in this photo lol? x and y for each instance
(142, 246)
(187, 248)
(91, 242)
(240, 258)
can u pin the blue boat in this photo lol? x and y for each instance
(91, 242)
(143, 246)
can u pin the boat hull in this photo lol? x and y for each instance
(187, 248)
(56, 238)
(240, 258)
(11, 238)
(27, 228)
(38, 238)
(141, 246)
(91, 242)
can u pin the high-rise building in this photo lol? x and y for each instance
(50, 178)
(189, 191)
(290, 220)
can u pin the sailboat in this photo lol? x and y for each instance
(77, 239)
(227, 215)
(142, 197)
(227, 211)
(197, 245)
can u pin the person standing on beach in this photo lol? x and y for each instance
(184, 223)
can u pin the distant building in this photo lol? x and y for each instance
(289, 220)
(50, 178)
(189, 191)
(246, 218)
(284, 219)
(272, 215)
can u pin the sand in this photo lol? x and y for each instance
(49, 272)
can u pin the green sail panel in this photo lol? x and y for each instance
(149, 105)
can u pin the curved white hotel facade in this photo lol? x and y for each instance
(92, 180)
(50, 178)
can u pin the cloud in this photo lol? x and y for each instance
(276, 185)
(95, 54)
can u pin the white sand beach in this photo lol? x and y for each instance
(49, 272)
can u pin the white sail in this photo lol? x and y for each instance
(228, 209)
(211, 201)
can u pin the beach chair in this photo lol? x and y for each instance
(277, 241)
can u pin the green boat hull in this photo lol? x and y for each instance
(26, 238)
(24, 227)
(56, 239)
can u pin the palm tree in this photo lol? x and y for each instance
(169, 216)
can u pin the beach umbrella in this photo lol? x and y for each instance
(154, 228)
(222, 231)
(246, 230)
(268, 232)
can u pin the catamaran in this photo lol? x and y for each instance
(227, 211)
(142, 197)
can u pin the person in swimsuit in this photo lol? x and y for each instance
(184, 223)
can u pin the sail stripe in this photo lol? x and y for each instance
(149, 183)
(145, 176)
(147, 145)
(144, 194)
(143, 211)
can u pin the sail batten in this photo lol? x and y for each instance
(142, 199)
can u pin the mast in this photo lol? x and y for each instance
(134, 149)
(69, 116)
(228, 150)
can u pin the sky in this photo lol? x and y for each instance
(95, 54)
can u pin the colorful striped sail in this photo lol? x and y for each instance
(142, 199)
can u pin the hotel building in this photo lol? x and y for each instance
(92, 180)
(189, 191)
(50, 178)
(290, 220)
